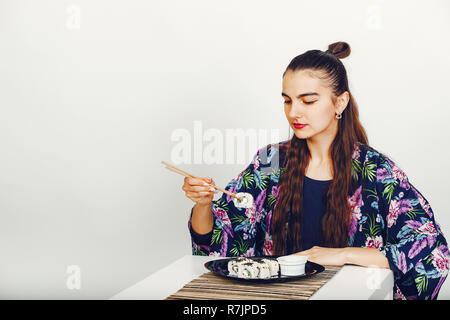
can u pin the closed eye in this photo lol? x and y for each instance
(307, 102)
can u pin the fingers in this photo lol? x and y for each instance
(196, 188)
(199, 190)
(309, 251)
(208, 179)
(198, 182)
(198, 185)
(199, 194)
(192, 181)
(303, 253)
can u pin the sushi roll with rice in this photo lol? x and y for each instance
(233, 265)
(246, 200)
(263, 270)
(233, 268)
(274, 267)
(251, 269)
(248, 270)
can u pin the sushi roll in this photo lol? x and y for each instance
(253, 269)
(263, 270)
(274, 267)
(248, 270)
(233, 268)
(246, 200)
(233, 265)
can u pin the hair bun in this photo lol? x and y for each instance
(339, 49)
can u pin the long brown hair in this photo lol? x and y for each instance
(335, 222)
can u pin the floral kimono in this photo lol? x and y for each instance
(388, 213)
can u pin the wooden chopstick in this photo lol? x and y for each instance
(184, 173)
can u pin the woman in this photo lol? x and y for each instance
(333, 197)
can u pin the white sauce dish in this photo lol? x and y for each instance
(292, 265)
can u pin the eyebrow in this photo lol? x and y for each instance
(301, 95)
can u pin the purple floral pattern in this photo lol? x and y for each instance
(387, 213)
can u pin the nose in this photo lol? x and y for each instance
(296, 110)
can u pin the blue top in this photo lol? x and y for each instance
(314, 207)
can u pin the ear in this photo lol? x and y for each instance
(342, 102)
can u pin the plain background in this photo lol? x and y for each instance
(91, 91)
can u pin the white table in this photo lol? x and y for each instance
(351, 282)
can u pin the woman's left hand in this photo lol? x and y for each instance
(325, 256)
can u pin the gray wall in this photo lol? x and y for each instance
(92, 91)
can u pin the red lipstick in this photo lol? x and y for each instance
(299, 125)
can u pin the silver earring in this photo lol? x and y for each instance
(338, 116)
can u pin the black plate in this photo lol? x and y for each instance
(220, 267)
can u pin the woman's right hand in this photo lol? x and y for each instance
(199, 190)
